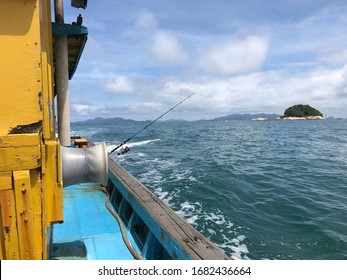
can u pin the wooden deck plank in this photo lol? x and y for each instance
(192, 241)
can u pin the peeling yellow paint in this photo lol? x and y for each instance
(30, 165)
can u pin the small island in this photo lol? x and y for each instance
(302, 112)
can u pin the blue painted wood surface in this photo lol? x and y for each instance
(87, 221)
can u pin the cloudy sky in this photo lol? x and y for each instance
(237, 56)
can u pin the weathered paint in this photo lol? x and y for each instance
(89, 230)
(53, 182)
(175, 251)
(24, 214)
(173, 238)
(20, 57)
(5, 180)
(64, 29)
(30, 164)
(20, 151)
(9, 234)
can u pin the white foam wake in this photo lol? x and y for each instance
(110, 147)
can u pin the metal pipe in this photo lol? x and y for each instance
(62, 79)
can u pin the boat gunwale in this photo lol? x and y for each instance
(194, 244)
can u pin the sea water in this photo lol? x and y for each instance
(257, 189)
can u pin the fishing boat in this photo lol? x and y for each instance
(62, 197)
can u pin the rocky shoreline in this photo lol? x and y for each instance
(303, 118)
(291, 118)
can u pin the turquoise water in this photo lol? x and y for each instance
(259, 190)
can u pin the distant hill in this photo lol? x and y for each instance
(301, 110)
(116, 120)
(119, 120)
(240, 117)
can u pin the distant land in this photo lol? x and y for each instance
(235, 117)
(301, 111)
(244, 117)
(116, 120)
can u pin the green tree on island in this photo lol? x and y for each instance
(301, 111)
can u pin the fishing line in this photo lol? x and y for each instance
(152, 122)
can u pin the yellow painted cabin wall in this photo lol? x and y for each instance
(30, 164)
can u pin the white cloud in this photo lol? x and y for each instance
(83, 109)
(97, 74)
(145, 20)
(236, 56)
(334, 56)
(143, 24)
(269, 92)
(119, 85)
(341, 89)
(161, 45)
(167, 50)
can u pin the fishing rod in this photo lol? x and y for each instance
(152, 122)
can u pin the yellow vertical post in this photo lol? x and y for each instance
(54, 188)
(9, 234)
(2, 239)
(24, 213)
(30, 164)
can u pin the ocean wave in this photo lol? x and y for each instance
(239, 250)
(217, 226)
(110, 147)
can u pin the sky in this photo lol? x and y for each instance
(237, 56)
